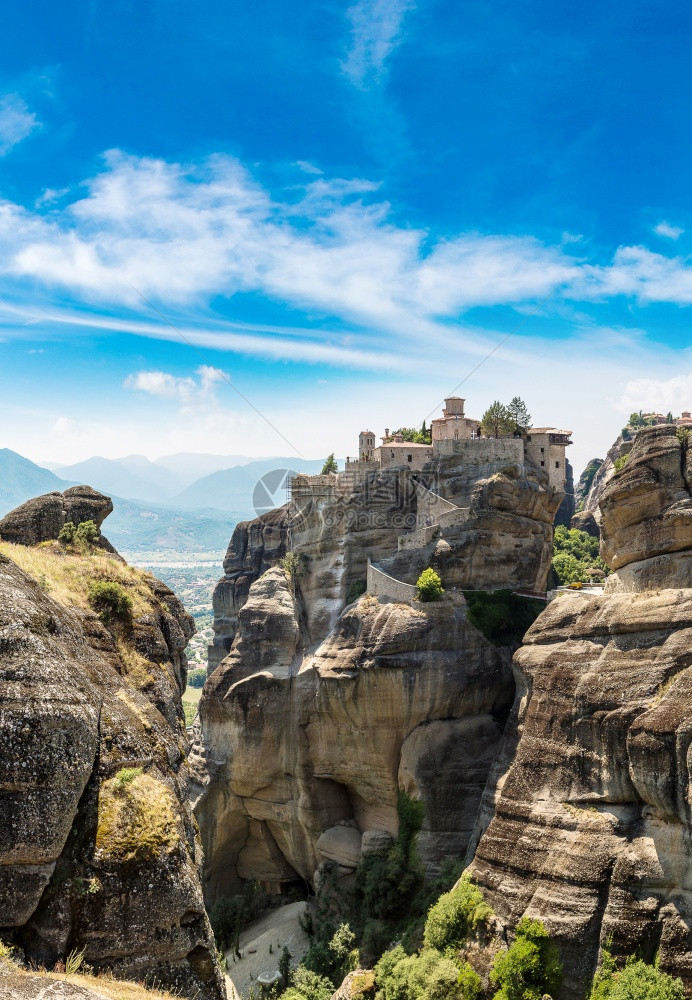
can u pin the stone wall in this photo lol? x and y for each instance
(484, 451)
(431, 506)
(383, 585)
(419, 538)
(451, 518)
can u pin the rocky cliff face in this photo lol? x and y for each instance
(98, 847)
(505, 542)
(305, 751)
(589, 517)
(588, 823)
(324, 708)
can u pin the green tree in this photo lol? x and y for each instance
(519, 415)
(86, 535)
(575, 552)
(530, 967)
(329, 466)
(285, 966)
(429, 586)
(454, 915)
(496, 421)
(67, 533)
(637, 981)
(669, 418)
(307, 985)
(111, 602)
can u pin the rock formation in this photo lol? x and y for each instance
(586, 824)
(326, 705)
(569, 504)
(40, 519)
(593, 483)
(306, 750)
(98, 847)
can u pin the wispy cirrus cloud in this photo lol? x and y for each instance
(179, 236)
(376, 30)
(16, 121)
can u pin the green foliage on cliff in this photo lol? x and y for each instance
(430, 975)
(111, 602)
(502, 616)
(455, 914)
(497, 421)
(530, 967)
(307, 985)
(637, 981)
(574, 554)
(386, 899)
(429, 586)
(620, 462)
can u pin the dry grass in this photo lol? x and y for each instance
(113, 989)
(137, 820)
(66, 576)
(140, 672)
(104, 985)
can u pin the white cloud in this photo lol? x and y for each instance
(657, 395)
(671, 232)
(16, 121)
(376, 30)
(188, 392)
(50, 195)
(179, 235)
(308, 168)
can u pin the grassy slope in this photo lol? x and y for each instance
(67, 576)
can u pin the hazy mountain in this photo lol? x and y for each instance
(134, 477)
(132, 526)
(188, 466)
(232, 489)
(21, 479)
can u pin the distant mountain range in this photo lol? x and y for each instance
(161, 505)
(228, 488)
(137, 478)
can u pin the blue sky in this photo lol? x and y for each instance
(344, 207)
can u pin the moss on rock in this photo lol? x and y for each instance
(137, 820)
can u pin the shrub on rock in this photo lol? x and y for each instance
(111, 602)
(429, 586)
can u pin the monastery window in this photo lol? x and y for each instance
(542, 463)
(410, 458)
(528, 437)
(542, 451)
(392, 454)
(557, 465)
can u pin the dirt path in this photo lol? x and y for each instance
(280, 927)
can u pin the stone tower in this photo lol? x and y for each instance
(366, 446)
(454, 407)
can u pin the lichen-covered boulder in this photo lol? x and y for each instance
(98, 848)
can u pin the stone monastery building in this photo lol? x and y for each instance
(452, 433)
